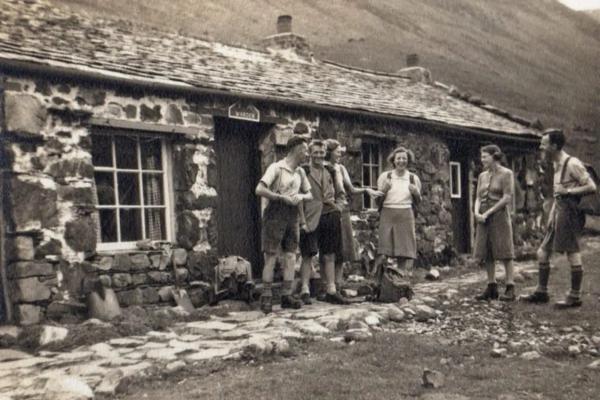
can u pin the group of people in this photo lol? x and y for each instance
(308, 209)
(494, 237)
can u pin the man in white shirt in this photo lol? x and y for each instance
(285, 185)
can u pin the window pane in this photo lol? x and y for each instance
(366, 201)
(131, 224)
(151, 153)
(126, 149)
(366, 177)
(365, 154)
(128, 188)
(108, 226)
(101, 151)
(105, 187)
(374, 154)
(153, 190)
(155, 224)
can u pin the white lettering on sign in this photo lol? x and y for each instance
(246, 112)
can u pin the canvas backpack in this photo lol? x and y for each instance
(588, 203)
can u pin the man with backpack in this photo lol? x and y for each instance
(285, 186)
(565, 222)
(320, 226)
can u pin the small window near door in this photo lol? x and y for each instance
(371, 168)
(130, 177)
(455, 179)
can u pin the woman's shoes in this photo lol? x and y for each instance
(490, 293)
(509, 294)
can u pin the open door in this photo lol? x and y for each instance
(238, 166)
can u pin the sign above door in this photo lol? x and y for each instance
(244, 111)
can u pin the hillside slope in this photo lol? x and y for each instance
(536, 58)
(595, 14)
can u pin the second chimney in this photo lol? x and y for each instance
(284, 24)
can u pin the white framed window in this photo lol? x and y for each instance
(455, 180)
(371, 168)
(132, 187)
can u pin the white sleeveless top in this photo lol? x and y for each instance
(399, 195)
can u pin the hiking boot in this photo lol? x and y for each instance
(509, 294)
(490, 293)
(568, 302)
(305, 297)
(336, 298)
(266, 304)
(289, 301)
(536, 298)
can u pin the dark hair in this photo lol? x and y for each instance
(331, 144)
(401, 149)
(493, 150)
(316, 142)
(293, 142)
(556, 137)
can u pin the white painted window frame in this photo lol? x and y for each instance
(167, 189)
(455, 187)
(371, 167)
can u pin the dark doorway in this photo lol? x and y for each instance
(460, 194)
(238, 166)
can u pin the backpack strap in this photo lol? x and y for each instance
(564, 170)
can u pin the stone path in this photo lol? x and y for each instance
(102, 367)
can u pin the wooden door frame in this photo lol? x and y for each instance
(5, 298)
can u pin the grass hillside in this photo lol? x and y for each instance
(595, 14)
(536, 58)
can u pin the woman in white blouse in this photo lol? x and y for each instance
(402, 190)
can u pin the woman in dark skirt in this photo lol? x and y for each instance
(494, 237)
(348, 252)
(401, 190)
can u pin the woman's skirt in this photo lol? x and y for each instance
(348, 249)
(397, 233)
(494, 238)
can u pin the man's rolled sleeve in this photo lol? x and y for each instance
(269, 177)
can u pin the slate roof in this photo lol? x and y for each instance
(34, 31)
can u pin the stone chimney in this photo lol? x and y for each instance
(284, 24)
(285, 42)
(412, 60)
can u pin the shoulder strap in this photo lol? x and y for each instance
(564, 170)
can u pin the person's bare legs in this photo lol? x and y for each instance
(509, 272)
(339, 275)
(305, 274)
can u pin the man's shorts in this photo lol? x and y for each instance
(326, 239)
(562, 235)
(280, 228)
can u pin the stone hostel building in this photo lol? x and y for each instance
(114, 134)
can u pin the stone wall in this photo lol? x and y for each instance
(53, 260)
